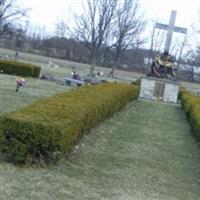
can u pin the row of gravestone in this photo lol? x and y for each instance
(9, 57)
(72, 80)
(151, 88)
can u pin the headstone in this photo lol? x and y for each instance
(171, 92)
(73, 82)
(159, 89)
(91, 80)
(47, 77)
(147, 88)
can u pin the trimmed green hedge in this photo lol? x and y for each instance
(47, 129)
(137, 82)
(191, 106)
(20, 69)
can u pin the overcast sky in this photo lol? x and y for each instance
(46, 12)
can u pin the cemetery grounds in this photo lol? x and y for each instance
(146, 151)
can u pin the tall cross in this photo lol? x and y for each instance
(170, 29)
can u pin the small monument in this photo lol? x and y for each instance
(161, 81)
(159, 89)
(163, 66)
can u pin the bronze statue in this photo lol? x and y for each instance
(163, 66)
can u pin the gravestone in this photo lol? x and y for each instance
(171, 92)
(159, 89)
(47, 77)
(73, 82)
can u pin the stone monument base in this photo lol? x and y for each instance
(159, 89)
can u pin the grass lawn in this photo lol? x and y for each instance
(35, 89)
(65, 65)
(144, 152)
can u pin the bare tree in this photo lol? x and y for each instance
(92, 26)
(20, 37)
(127, 29)
(182, 46)
(195, 43)
(61, 28)
(157, 41)
(10, 12)
(191, 53)
(186, 70)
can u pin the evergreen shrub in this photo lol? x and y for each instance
(50, 128)
(19, 69)
(191, 106)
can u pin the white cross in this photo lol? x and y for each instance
(170, 29)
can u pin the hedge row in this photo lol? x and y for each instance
(191, 106)
(47, 129)
(20, 69)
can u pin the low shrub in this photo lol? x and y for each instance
(181, 91)
(49, 128)
(191, 106)
(20, 69)
(137, 82)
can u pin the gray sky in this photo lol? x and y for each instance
(46, 12)
(187, 10)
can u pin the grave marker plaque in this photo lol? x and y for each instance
(159, 89)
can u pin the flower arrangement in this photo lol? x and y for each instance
(20, 82)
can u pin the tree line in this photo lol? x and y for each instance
(100, 36)
(108, 33)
